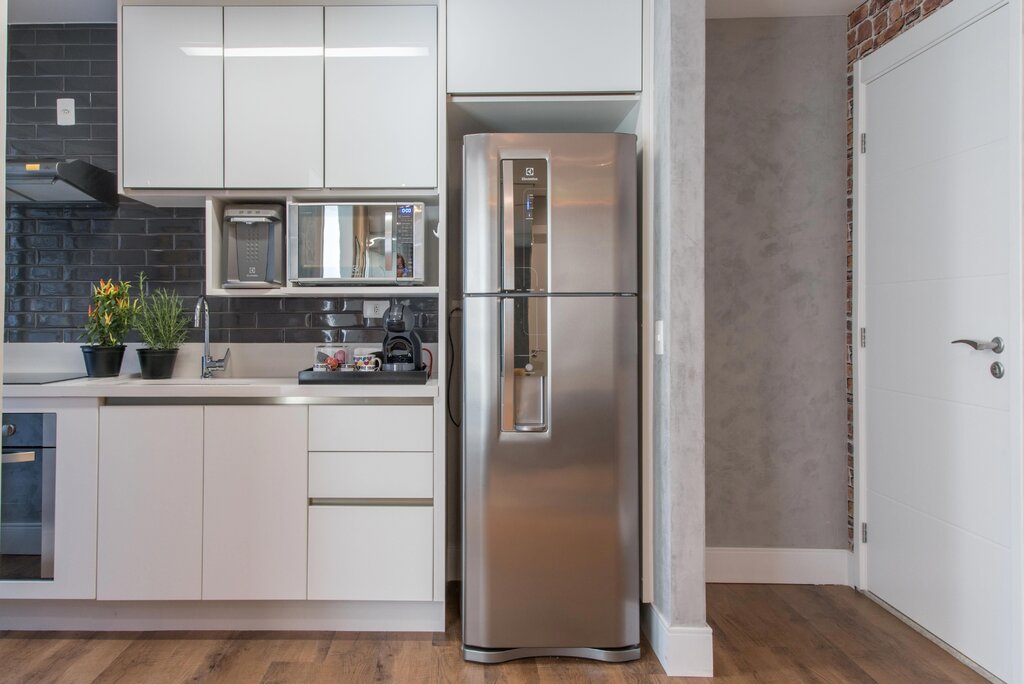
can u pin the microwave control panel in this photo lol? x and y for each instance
(405, 241)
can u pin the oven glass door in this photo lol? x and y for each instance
(345, 243)
(27, 484)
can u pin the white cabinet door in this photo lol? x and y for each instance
(371, 428)
(172, 97)
(371, 553)
(381, 96)
(254, 510)
(150, 532)
(369, 475)
(540, 46)
(273, 97)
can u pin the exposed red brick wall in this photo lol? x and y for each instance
(873, 24)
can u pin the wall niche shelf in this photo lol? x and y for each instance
(544, 113)
(360, 291)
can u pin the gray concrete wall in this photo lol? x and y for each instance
(776, 277)
(678, 440)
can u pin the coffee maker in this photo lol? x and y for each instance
(403, 348)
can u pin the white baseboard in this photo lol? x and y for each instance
(105, 616)
(684, 650)
(22, 539)
(777, 566)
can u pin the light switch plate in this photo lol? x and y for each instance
(65, 111)
(659, 337)
(374, 308)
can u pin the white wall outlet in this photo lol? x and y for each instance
(659, 337)
(374, 308)
(65, 111)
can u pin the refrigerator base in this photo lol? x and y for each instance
(501, 655)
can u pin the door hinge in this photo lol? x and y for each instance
(863, 533)
(863, 143)
(863, 338)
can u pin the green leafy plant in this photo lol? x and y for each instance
(161, 319)
(111, 314)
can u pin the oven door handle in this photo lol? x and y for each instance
(11, 456)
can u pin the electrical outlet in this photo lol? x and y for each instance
(374, 308)
(65, 111)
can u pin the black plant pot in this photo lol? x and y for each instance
(157, 364)
(102, 362)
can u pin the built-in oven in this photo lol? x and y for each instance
(345, 243)
(28, 468)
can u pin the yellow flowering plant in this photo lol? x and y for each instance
(111, 314)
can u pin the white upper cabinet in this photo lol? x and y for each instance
(254, 503)
(544, 46)
(273, 97)
(172, 103)
(381, 96)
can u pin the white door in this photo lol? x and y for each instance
(173, 97)
(539, 46)
(254, 503)
(274, 97)
(940, 245)
(150, 530)
(380, 90)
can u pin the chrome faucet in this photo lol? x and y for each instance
(210, 364)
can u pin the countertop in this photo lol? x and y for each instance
(197, 388)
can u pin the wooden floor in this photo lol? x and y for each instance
(762, 634)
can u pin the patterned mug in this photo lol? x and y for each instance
(366, 362)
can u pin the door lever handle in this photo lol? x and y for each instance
(996, 345)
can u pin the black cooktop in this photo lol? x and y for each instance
(39, 378)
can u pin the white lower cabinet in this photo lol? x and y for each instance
(214, 502)
(150, 506)
(371, 553)
(254, 503)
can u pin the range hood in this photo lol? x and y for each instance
(60, 182)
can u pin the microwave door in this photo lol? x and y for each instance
(378, 241)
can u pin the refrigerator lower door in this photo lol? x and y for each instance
(551, 560)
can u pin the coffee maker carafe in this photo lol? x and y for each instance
(403, 349)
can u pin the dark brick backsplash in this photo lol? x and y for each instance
(55, 254)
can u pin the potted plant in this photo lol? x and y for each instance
(162, 324)
(111, 315)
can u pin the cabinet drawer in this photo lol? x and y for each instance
(371, 428)
(362, 475)
(370, 553)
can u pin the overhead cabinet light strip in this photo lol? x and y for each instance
(396, 51)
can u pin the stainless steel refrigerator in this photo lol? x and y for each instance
(550, 442)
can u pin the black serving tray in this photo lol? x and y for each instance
(312, 377)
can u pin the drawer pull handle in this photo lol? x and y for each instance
(326, 501)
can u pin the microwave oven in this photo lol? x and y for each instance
(346, 243)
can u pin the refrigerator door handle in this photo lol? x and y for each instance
(508, 371)
(508, 226)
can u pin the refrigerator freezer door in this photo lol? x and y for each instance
(574, 230)
(551, 517)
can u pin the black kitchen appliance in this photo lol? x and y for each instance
(403, 348)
